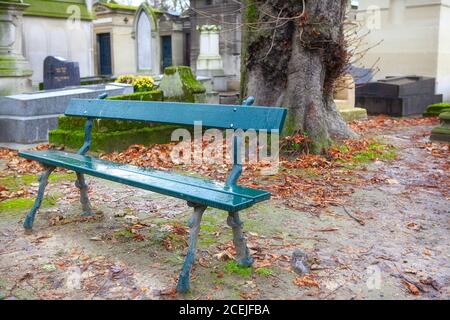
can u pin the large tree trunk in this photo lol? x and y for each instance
(291, 57)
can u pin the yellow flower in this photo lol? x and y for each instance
(126, 78)
(144, 83)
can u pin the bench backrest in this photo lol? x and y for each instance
(212, 116)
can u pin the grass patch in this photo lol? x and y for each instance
(233, 268)
(14, 183)
(71, 176)
(265, 272)
(22, 204)
(123, 234)
(353, 156)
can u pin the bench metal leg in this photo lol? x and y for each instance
(84, 198)
(243, 257)
(194, 225)
(43, 181)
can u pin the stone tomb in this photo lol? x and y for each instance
(398, 96)
(60, 73)
(27, 118)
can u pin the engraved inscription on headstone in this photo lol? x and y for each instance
(60, 73)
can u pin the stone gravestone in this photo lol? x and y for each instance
(344, 97)
(60, 73)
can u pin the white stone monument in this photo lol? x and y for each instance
(344, 97)
(15, 71)
(209, 62)
(144, 43)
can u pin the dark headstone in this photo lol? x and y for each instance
(360, 75)
(60, 73)
(397, 96)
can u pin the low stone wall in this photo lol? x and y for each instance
(112, 135)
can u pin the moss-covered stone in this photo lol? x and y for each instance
(118, 6)
(112, 135)
(11, 66)
(179, 84)
(108, 125)
(154, 95)
(100, 125)
(352, 114)
(113, 141)
(442, 132)
(435, 109)
(57, 9)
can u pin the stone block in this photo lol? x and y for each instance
(442, 132)
(26, 130)
(27, 118)
(352, 114)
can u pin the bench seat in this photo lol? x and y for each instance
(196, 190)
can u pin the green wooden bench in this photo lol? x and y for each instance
(199, 193)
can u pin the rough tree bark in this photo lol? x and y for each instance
(293, 51)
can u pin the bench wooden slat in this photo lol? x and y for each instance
(255, 194)
(191, 189)
(214, 116)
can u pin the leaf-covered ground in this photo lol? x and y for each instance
(372, 216)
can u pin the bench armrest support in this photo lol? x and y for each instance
(88, 131)
(236, 171)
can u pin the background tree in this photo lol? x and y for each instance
(293, 51)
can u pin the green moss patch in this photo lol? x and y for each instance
(265, 272)
(179, 84)
(436, 109)
(23, 204)
(100, 125)
(233, 268)
(442, 132)
(155, 95)
(374, 151)
(112, 135)
(14, 183)
(57, 9)
(113, 141)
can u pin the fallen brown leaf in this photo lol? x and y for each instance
(306, 281)
(224, 255)
(330, 229)
(412, 288)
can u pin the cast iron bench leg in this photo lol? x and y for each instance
(194, 225)
(43, 181)
(84, 198)
(243, 257)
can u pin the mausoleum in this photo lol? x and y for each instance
(407, 37)
(59, 28)
(144, 40)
